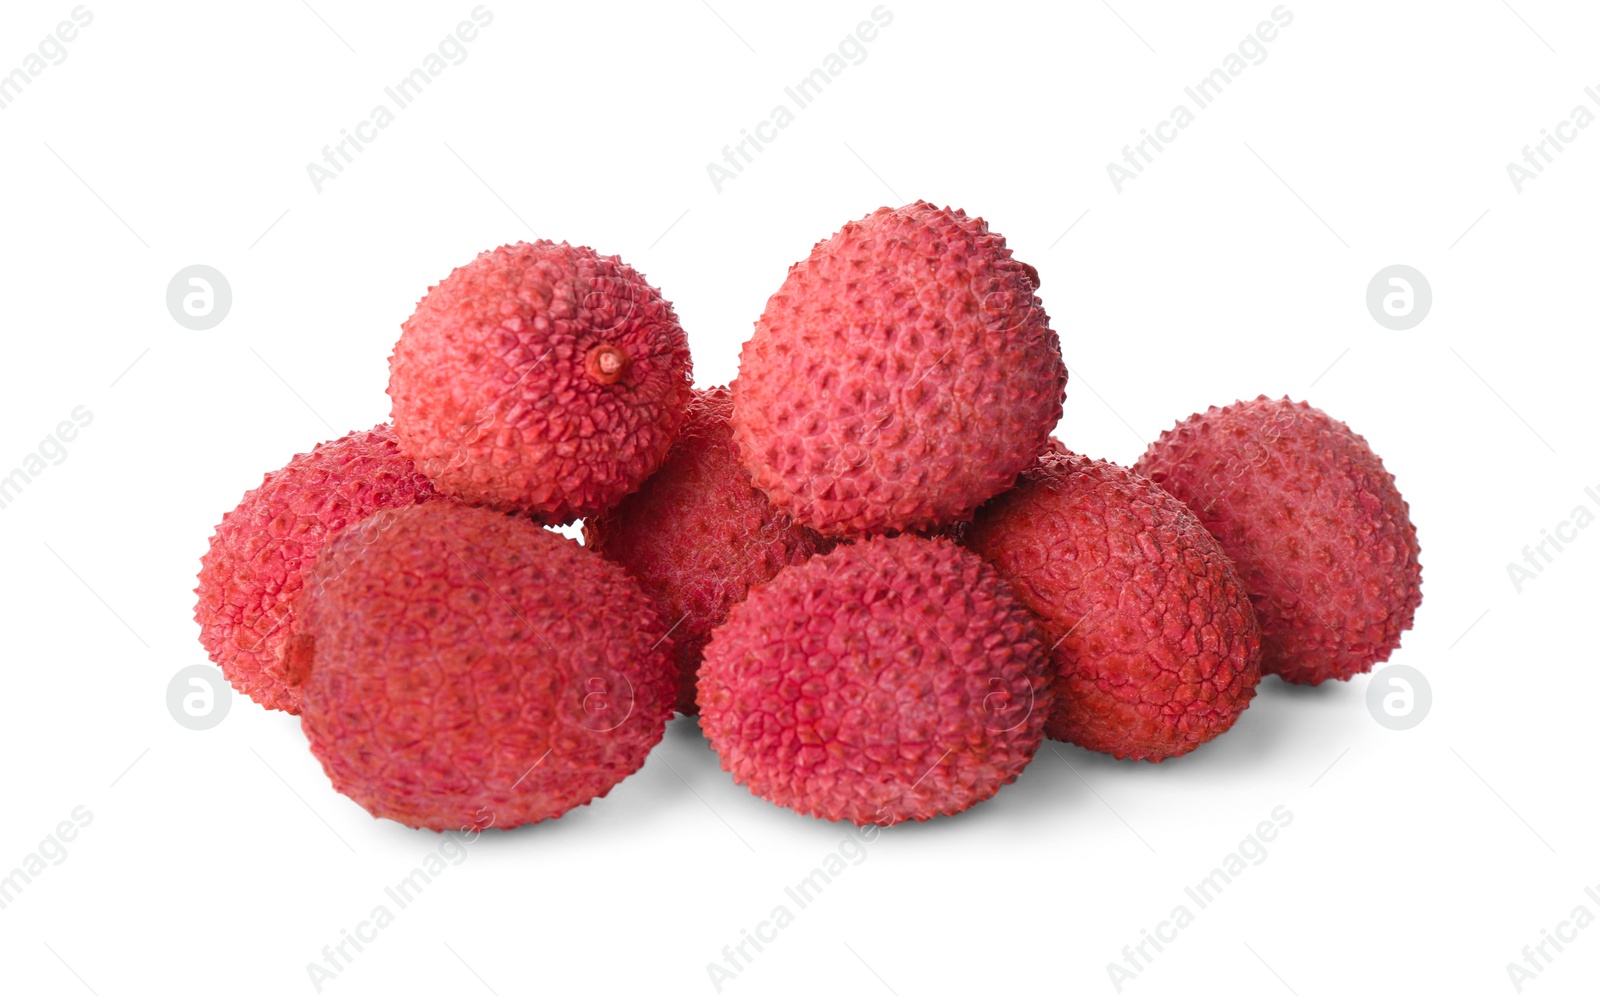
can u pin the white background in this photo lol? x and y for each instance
(222, 861)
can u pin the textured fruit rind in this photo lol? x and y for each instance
(889, 680)
(902, 375)
(1315, 524)
(467, 669)
(251, 576)
(697, 535)
(1156, 648)
(540, 378)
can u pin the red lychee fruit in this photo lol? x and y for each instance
(902, 375)
(697, 535)
(1155, 645)
(465, 669)
(1314, 522)
(544, 379)
(888, 680)
(252, 574)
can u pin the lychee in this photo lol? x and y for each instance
(697, 535)
(464, 669)
(903, 374)
(888, 680)
(540, 378)
(252, 574)
(1314, 522)
(1154, 643)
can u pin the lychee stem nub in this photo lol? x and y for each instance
(606, 363)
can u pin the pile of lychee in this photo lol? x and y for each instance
(866, 564)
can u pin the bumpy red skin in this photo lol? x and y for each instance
(251, 577)
(1156, 646)
(903, 374)
(501, 387)
(697, 535)
(1314, 523)
(957, 531)
(889, 680)
(464, 669)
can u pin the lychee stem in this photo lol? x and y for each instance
(606, 363)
